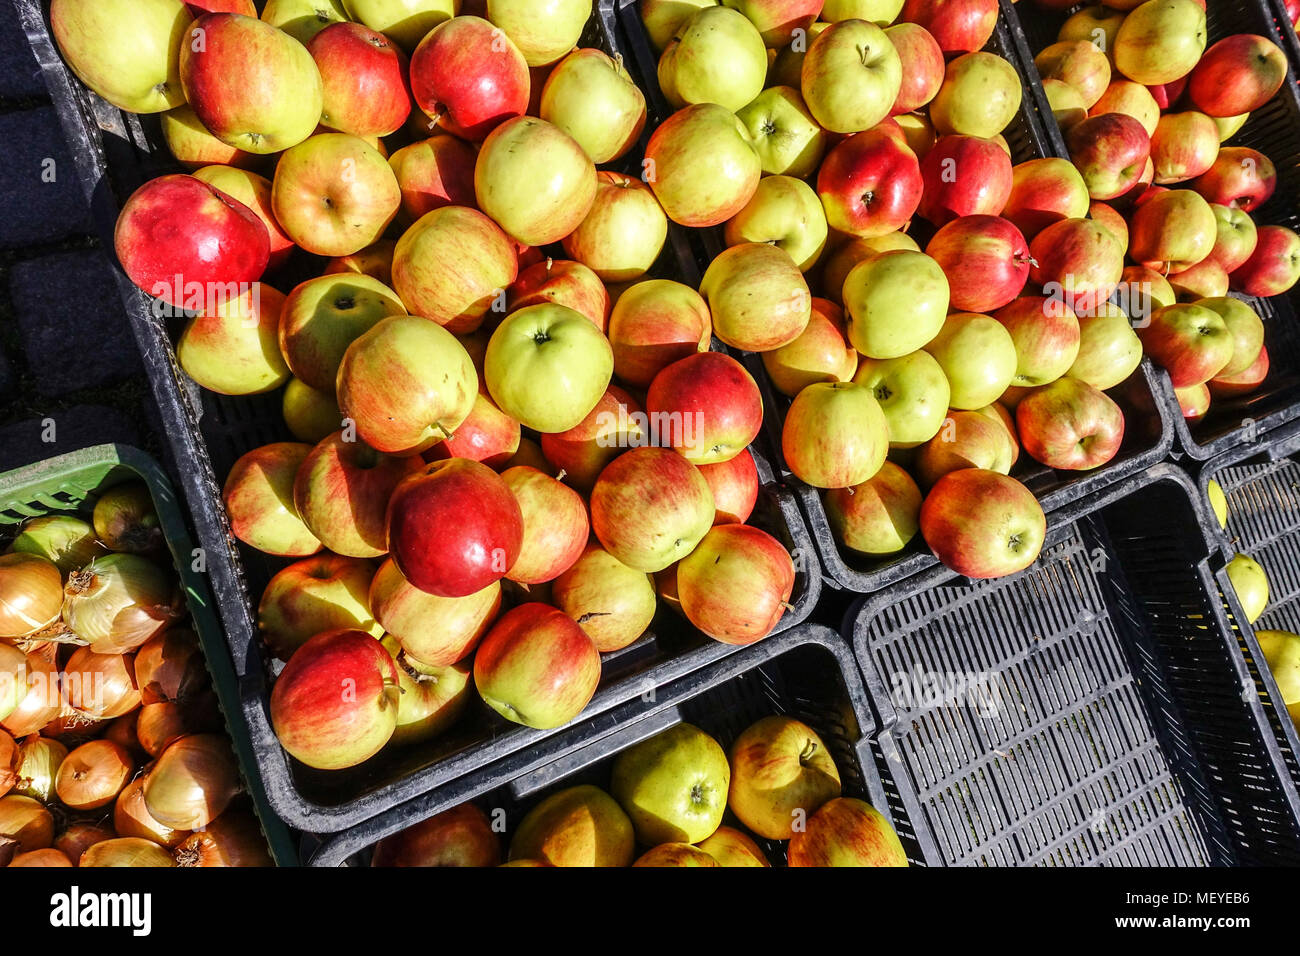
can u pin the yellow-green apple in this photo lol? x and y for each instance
(758, 299)
(846, 253)
(563, 283)
(1142, 291)
(1205, 280)
(469, 77)
(1070, 425)
(787, 68)
(579, 826)
(1235, 237)
(663, 18)
(702, 165)
(788, 140)
(534, 180)
(846, 832)
(591, 97)
(624, 231)
(821, 353)
(706, 406)
(1109, 349)
(880, 12)
(1193, 402)
(555, 525)
(544, 31)
(1238, 74)
(1044, 191)
(982, 524)
(1274, 265)
(896, 302)
(537, 667)
(784, 212)
(127, 51)
(1095, 23)
(193, 146)
(434, 172)
(736, 584)
(1282, 653)
(250, 84)
(1172, 231)
(1192, 343)
(717, 56)
(406, 384)
(488, 435)
(326, 729)
(231, 347)
(922, 63)
(986, 260)
(912, 392)
(731, 847)
(432, 630)
(959, 26)
(918, 132)
(1077, 262)
(734, 484)
(1160, 41)
(1066, 103)
(186, 242)
(979, 96)
(303, 19)
(405, 21)
(1046, 336)
(1110, 151)
(374, 260)
(1183, 146)
(1243, 383)
(549, 344)
(964, 176)
(879, 516)
(363, 76)
(965, 439)
(851, 76)
(781, 774)
(1077, 63)
(1115, 223)
(673, 786)
(1246, 327)
(309, 413)
(1132, 99)
(320, 593)
(835, 435)
(779, 21)
(323, 316)
(1251, 585)
(651, 507)
(253, 191)
(978, 357)
(1001, 413)
(612, 603)
(870, 184)
(1228, 126)
(617, 423)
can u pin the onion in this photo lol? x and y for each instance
(8, 763)
(67, 541)
(13, 679)
(44, 698)
(160, 725)
(72, 727)
(80, 837)
(25, 821)
(47, 857)
(93, 775)
(233, 839)
(126, 851)
(118, 602)
(192, 782)
(100, 685)
(27, 601)
(39, 759)
(131, 818)
(170, 666)
(122, 731)
(125, 519)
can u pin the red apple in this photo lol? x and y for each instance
(363, 75)
(1240, 178)
(967, 439)
(870, 184)
(847, 832)
(706, 406)
(565, 283)
(555, 525)
(1046, 335)
(1077, 262)
(879, 516)
(488, 435)
(258, 495)
(959, 26)
(253, 191)
(1243, 383)
(1078, 63)
(1111, 151)
(462, 836)
(469, 77)
(964, 176)
(778, 20)
(434, 172)
(985, 259)
(1239, 74)
(616, 423)
(1167, 94)
(200, 7)
(653, 324)
(1070, 425)
(1107, 215)
(1183, 146)
(1134, 99)
(1192, 343)
(1044, 191)
(1273, 267)
(436, 631)
(923, 66)
(320, 593)
(734, 484)
(736, 585)
(983, 524)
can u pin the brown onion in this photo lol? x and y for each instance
(24, 820)
(233, 839)
(125, 519)
(28, 583)
(126, 851)
(80, 837)
(131, 818)
(44, 698)
(118, 602)
(39, 759)
(8, 763)
(160, 725)
(13, 679)
(100, 685)
(65, 540)
(93, 775)
(47, 857)
(192, 782)
(170, 666)
(72, 726)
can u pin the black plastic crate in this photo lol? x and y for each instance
(1117, 722)
(808, 673)
(115, 152)
(1274, 130)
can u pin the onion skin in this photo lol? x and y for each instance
(161, 725)
(26, 821)
(44, 698)
(122, 732)
(125, 519)
(126, 851)
(47, 857)
(170, 666)
(39, 759)
(9, 757)
(101, 686)
(65, 540)
(13, 679)
(80, 837)
(233, 839)
(93, 775)
(25, 602)
(118, 602)
(192, 782)
(131, 818)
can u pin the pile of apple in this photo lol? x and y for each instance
(1145, 106)
(512, 441)
(669, 795)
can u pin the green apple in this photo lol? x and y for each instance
(702, 165)
(1218, 502)
(880, 12)
(787, 68)
(432, 698)
(323, 316)
(580, 826)
(913, 393)
(788, 140)
(1251, 584)
(784, 212)
(853, 250)
(310, 414)
(1246, 327)
(1109, 350)
(303, 19)
(543, 30)
(717, 56)
(978, 356)
(127, 51)
(781, 774)
(1227, 126)
(194, 147)
(835, 435)
(663, 18)
(547, 366)
(896, 301)
(232, 349)
(851, 76)
(673, 786)
(979, 96)
(1160, 41)
(1282, 654)
(591, 97)
(404, 21)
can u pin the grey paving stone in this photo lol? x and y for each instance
(40, 197)
(20, 76)
(68, 309)
(77, 427)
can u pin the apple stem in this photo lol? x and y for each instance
(560, 476)
(863, 53)
(787, 605)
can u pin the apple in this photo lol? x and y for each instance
(1160, 41)
(964, 176)
(230, 348)
(835, 435)
(896, 302)
(1132, 99)
(912, 391)
(616, 423)
(1183, 146)
(982, 524)
(851, 76)
(1246, 327)
(651, 507)
(564, 283)
(784, 133)
(1193, 402)
(323, 316)
(405, 21)
(880, 12)
(545, 31)
(258, 495)
(433, 631)
(374, 260)
(469, 77)
(779, 21)
(821, 353)
(1206, 279)
(432, 700)
(590, 96)
(1046, 336)
(673, 786)
(870, 184)
(663, 18)
(734, 484)
(966, 439)
(716, 56)
(1229, 126)
(194, 147)
(979, 96)
(1095, 23)
(434, 172)
(612, 603)
(922, 63)
(462, 836)
(1110, 151)
(1115, 224)
(736, 584)
(1240, 177)
(675, 854)
(322, 727)
(365, 91)
(1273, 267)
(1192, 343)
(1077, 262)
(1172, 231)
(624, 231)
(879, 516)
(555, 525)
(853, 250)
(1251, 585)
(1243, 383)
(303, 19)
(986, 260)
(253, 191)
(1167, 94)
(1070, 425)
(1078, 63)
(1044, 191)
(310, 414)
(1235, 237)
(579, 826)
(731, 847)
(781, 774)
(706, 406)
(127, 51)
(184, 241)
(1067, 104)
(453, 266)
(406, 384)
(847, 832)
(978, 356)
(1142, 291)
(321, 593)
(784, 212)
(702, 165)
(1238, 74)
(757, 297)
(959, 26)
(1281, 650)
